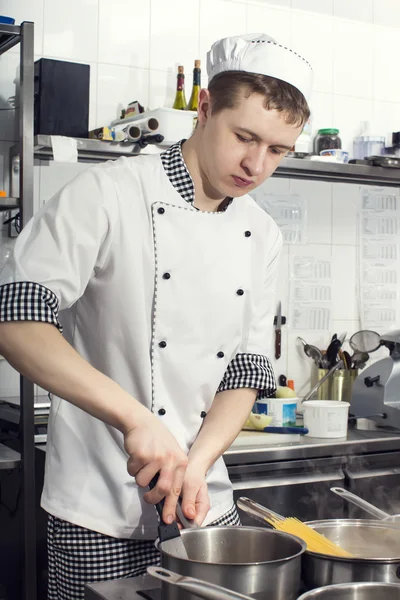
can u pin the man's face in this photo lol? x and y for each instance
(241, 147)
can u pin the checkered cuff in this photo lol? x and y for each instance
(28, 301)
(250, 371)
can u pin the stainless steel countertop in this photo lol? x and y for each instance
(358, 441)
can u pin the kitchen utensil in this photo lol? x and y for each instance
(355, 591)
(342, 337)
(278, 331)
(377, 513)
(332, 352)
(244, 559)
(311, 351)
(359, 359)
(321, 381)
(315, 542)
(169, 534)
(347, 361)
(300, 430)
(282, 380)
(203, 589)
(365, 341)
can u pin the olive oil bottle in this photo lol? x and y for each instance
(180, 100)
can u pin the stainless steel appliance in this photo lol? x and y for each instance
(376, 391)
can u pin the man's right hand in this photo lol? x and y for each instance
(153, 449)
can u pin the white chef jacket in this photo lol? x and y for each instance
(155, 294)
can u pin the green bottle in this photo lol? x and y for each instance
(193, 103)
(180, 100)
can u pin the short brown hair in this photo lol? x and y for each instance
(225, 89)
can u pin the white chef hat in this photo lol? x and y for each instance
(260, 53)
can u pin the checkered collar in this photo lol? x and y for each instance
(178, 173)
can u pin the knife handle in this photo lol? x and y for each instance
(278, 338)
(160, 505)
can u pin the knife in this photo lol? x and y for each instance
(278, 331)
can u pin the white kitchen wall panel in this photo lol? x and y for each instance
(124, 33)
(218, 19)
(162, 88)
(346, 202)
(385, 118)
(319, 201)
(385, 46)
(355, 10)
(71, 29)
(352, 77)
(277, 3)
(274, 21)
(312, 36)
(315, 6)
(321, 105)
(117, 86)
(348, 114)
(174, 34)
(344, 282)
(386, 12)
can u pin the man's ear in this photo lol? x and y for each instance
(204, 109)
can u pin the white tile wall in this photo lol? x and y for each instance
(354, 10)
(117, 47)
(262, 16)
(134, 49)
(71, 29)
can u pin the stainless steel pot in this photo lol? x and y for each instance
(375, 544)
(259, 562)
(355, 591)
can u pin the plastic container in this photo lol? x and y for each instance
(368, 145)
(173, 124)
(7, 20)
(326, 418)
(338, 155)
(327, 139)
(282, 411)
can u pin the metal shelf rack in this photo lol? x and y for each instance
(10, 36)
(99, 151)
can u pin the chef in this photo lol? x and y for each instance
(141, 296)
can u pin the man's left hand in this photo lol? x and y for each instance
(195, 499)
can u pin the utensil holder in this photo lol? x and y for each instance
(338, 387)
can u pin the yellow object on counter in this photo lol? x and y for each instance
(257, 422)
(282, 391)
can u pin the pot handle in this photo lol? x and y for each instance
(357, 501)
(257, 511)
(204, 589)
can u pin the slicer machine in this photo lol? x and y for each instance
(376, 391)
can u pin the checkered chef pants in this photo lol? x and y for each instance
(77, 556)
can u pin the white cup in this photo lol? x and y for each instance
(326, 418)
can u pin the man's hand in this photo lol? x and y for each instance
(195, 499)
(153, 449)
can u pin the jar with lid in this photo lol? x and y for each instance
(327, 139)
